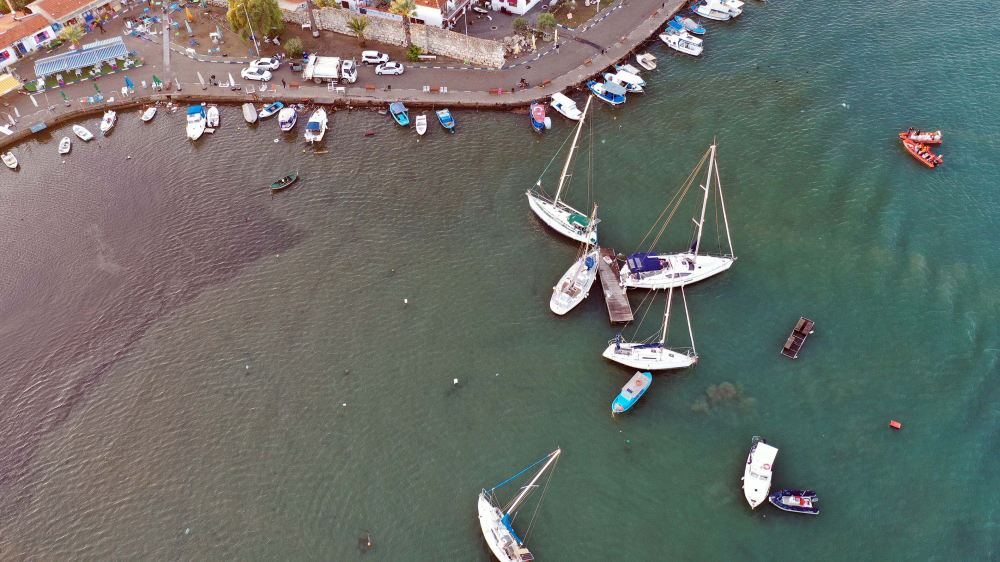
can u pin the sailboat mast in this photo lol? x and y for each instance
(704, 203)
(688, 316)
(572, 147)
(725, 219)
(666, 317)
(527, 488)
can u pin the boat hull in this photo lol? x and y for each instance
(704, 12)
(648, 358)
(757, 473)
(10, 161)
(446, 120)
(795, 501)
(646, 61)
(678, 43)
(574, 286)
(914, 149)
(605, 96)
(421, 124)
(631, 392)
(148, 115)
(677, 275)
(557, 217)
(501, 541)
(924, 138)
(249, 113)
(82, 132)
(537, 115)
(65, 145)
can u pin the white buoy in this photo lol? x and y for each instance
(345, 403)
(456, 381)
(548, 122)
(405, 301)
(275, 140)
(248, 367)
(187, 531)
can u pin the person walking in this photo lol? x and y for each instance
(100, 24)
(283, 84)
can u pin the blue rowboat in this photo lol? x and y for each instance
(446, 120)
(631, 392)
(610, 92)
(398, 112)
(796, 501)
(690, 25)
(270, 110)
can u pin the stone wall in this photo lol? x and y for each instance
(432, 40)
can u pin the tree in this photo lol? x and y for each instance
(413, 53)
(520, 25)
(546, 21)
(265, 17)
(358, 26)
(327, 3)
(294, 47)
(403, 8)
(72, 33)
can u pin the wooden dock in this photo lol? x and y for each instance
(798, 338)
(619, 309)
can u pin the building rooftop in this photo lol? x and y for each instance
(438, 4)
(60, 9)
(12, 31)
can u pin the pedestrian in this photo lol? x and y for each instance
(101, 25)
(557, 48)
(283, 84)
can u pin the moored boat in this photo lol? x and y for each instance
(565, 106)
(631, 392)
(316, 126)
(922, 152)
(287, 118)
(446, 120)
(655, 356)
(420, 123)
(537, 115)
(611, 93)
(399, 114)
(249, 113)
(212, 116)
(631, 82)
(574, 285)
(796, 501)
(690, 25)
(646, 61)
(631, 70)
(108, 121)
(713, 10)
(9, 160)
(687, 44)
(926, 137)
(196, 122)
(270, 110)
(757, 473)
(284, 182)
(65, 145)
(82, 132)
(148, 115)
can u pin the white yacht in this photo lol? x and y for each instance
(654, 356)
(316, 126)
(686, 43)
(196, 122)
(757, 473)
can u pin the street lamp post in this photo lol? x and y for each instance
(250, 25)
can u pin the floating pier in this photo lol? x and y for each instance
(619, 309)
(798, 338)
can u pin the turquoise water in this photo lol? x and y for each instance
(179, 346)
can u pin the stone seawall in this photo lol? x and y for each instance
(433, 40)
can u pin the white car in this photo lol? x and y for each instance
(389, 68)
(256, 73)
(268, 63)
(373, 57)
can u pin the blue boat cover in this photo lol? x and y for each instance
(506, 523)
(312, 126)
(675, 25)
(637, 263)
(195, 110)
(89, 55)
(589, 262)
(397, 108)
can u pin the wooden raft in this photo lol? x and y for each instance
(798, 338)
(619, 309)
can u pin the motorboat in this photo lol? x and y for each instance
(212, 116)
(9, 160)
(631, 70)
(654, 356)
(82, 132)
(249, 113)
(690, 25)
(631, 392)
(574, 285)
(536, 113)
(287, 118)
(609, 92)
(630, 82)
(316, 126)
(148, 115)
(420, 122)
(646, 60)
(284, 182)
(796, 501)
(925, 137)
(565, 106)
(735, 6)
(196, 122)
(399, 114)
(675, 28)
(65, 145)
(270, 110)
(446, 120)
(921, 152)
(713, 10)
(757, 473)
(689, 45)
(108, 122)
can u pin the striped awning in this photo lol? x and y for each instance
(89, 55)
(8, 84)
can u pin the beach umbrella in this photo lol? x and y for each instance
(219, 31)
(189, 16)
(128, 82)
(96, 88)
(156, 80)
(64, 95)
(232, 83)
(202, 80)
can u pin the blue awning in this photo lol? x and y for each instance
(637, 263)
(196, 110)
(89, 55)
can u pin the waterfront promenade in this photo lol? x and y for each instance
(613, 35)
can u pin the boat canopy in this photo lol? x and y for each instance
(397, 107)
(614, 89)
(196, 110)
(563, 100)
(313, 126)
(577, 218)
(633, 70)
(506, 523)
(637, 263)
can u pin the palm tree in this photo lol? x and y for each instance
(358, 26)
(404, 8)
(72, 33)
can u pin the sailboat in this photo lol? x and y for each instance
(574, 286)
(655, 356)
(496, 521)
(662, 271)
(564, 219)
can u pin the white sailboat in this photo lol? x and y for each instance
(564, 219)
(662, 271)
(655, 356)
(495, 521)
(757, 473)
(574, 286)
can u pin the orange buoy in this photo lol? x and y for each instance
(895, 424)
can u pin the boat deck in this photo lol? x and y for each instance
(798, 338)
(619, 309)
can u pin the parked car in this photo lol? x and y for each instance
(256, 73)
(268, 63)
(349, 72)
(373, 57)
(389, 68)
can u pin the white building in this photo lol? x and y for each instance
(435, 13)
(23, 35)
(519, 7)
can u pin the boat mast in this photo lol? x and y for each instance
(725, 219)
(666, 317)
(527, 488)
(572, 147)
(704, 203)
(688, 316)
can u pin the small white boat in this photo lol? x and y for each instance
(630, 69)
(757, 473)
(565, 106)
(82, 132)
(108, 121)
(631, 82)
(212, 116)
(196, 122)
(287, 118)
(421, 124)
(9, 159)
(316, 127)
(270, 110)
(148, 115)
(574, 285)
(713, 10)
(249, 113)
(687, 44)
(646, 61)
(65, 145)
